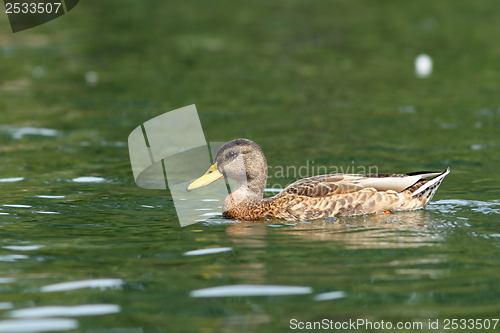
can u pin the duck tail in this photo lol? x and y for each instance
(425, 189)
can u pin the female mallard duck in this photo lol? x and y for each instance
(315, 197)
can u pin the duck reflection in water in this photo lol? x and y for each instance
(398, 230)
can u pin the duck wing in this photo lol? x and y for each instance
(327, 185)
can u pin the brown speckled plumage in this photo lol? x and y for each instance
(316, 197)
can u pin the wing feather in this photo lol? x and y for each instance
(327, 185)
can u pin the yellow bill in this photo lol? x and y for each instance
(209, 177)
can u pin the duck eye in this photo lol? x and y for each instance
(230, 154)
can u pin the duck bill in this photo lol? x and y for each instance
(209, 177)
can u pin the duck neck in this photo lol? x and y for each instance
(252, 189)
(247, 191)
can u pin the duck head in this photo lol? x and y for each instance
(241, 160)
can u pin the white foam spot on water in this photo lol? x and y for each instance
(38, 325)
(45, 212)
(212, 250)
(211, 214)
(7, 280)
(20, 132)
(114, 144)
(477, 147)
(330, 295)
(457, 202)
(13, 257)
(88, 179)
(147, 206)
(66, 311)
(240, 290)
(423, 66)
(4, 213)
(91, 78)
(6, 305)
(22, 247)
(95, 283)
(210, 200)
(16, 206)
(10, 180)
(50, 196)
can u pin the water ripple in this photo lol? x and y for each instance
(22, 247)
(13, 257)
(207, 251)
(38, 325)
(330, 295)
(89, 180)
(10, 180)
(96, 283)
(239, 290)
(66, 311)
(455, 205)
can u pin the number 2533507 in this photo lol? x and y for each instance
(470, 324)
(32, 8)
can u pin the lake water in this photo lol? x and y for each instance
(83, 249)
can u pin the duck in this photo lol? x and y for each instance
(317, 197)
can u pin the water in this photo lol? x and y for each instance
(83, 249)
